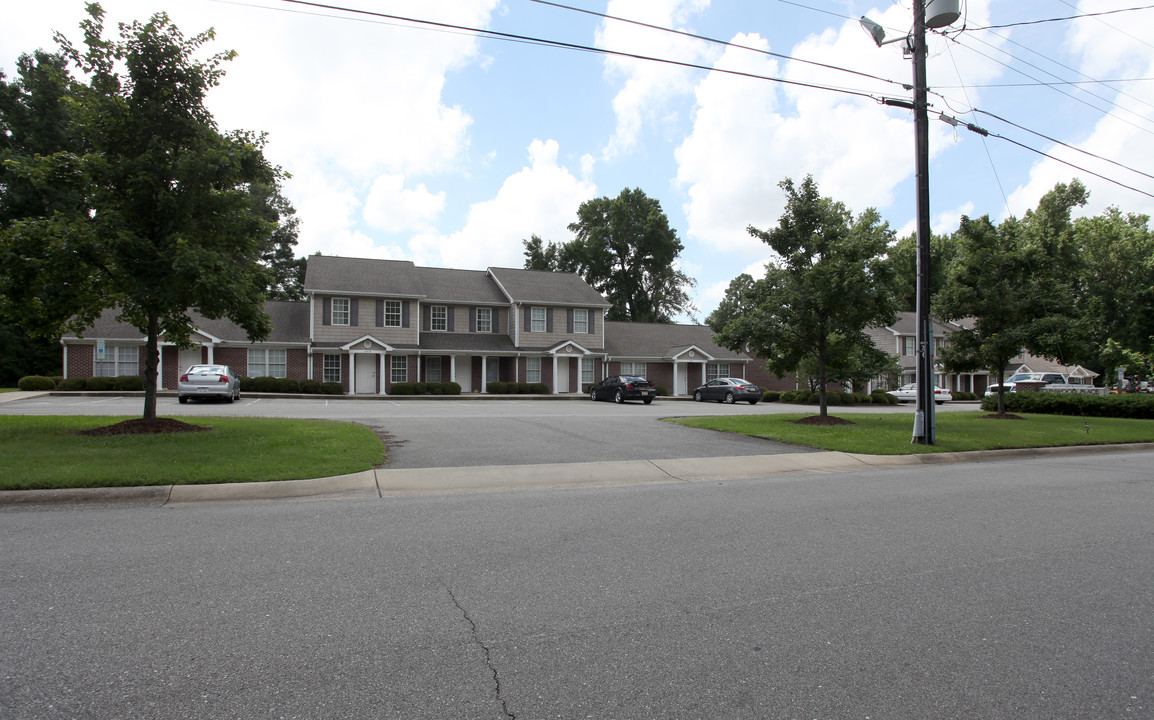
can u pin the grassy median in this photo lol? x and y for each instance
(956, 431)
(39, 452)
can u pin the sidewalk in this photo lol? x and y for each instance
(386, 483)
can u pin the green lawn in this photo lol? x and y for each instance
(43, 452)
(956, 431)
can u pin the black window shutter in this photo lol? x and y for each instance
(380, 313)
(327, 312)
(472, 319)
(528, 319)
(450, 321)
(569, 320)
(496, 320)
(426, 316)
(549, 320)
(404, 313)
(592, 318)
(353, 312)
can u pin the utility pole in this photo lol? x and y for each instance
(924, 422)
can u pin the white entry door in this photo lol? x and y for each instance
(465, 374)
(366, 377)
(562, 379)
(188, 358)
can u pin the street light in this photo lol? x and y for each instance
(931, 14)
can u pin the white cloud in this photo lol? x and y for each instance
(540, 199)
(647, 85)
(391, 207)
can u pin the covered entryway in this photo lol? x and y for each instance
(365, 373)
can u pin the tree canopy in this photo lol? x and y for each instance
(625, 248)
(146, 207)
(830, 283)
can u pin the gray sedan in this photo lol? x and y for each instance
(208, 381)
(728, 390)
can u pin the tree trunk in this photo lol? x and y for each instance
(821, 379)
(151, 361)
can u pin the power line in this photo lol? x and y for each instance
(1062, 19)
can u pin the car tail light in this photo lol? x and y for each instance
(184, 378)
(628, 386)
(223, 379)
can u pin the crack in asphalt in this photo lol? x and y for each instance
(488, 656)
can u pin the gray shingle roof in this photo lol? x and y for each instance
(553, 288)
(660, 340)
(290, 321)
(460, 286)
(362, 276)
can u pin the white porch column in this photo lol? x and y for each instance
(352, 372)
(210, 347)
(673, 392)
(484, 374)
(382, 368)
(555, 391)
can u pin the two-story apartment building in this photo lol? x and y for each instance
(368, 324)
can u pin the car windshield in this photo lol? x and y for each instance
(206, 370)
(628, 379)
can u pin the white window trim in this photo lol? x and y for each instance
(433, 368)
(533, 320)
(533, 374)
(581, 321)
(631, 368)
(587, 370)
(392, 318)
(484, 320)
(120, 366)
(399, 364)
(714, 371)
(443, 320)
(262, 361)
(325, 368)
(347, 312)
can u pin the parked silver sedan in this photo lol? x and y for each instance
(909, 393)
(208, 381)
(728, 390)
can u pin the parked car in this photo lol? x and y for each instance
(729, 391)
(620, 388)
(909, 393)
(205, 381)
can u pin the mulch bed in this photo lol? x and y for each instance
(822, 420)
(140, 426)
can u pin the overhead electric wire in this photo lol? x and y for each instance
(583, 48)
(1115, 29)
(1062, 19)
(725, 43)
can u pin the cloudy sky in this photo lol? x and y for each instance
(448, 148)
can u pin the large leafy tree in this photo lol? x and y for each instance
(1012, 287)
(830, 284)
(625, 248)
(165, 222)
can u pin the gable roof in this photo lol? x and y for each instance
(907, 324)
(362, 276)
(290, 324)
(663, 341)
(545, 287)
(460, 286)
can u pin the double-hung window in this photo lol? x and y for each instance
(586, 371)
(439, 318)
(537, 320)
(433, 368)
(392, 313)
(484, 320)
(332, 368)
(118, 360)
(340, 311)
(581, 321)
(636, 369)
(533, 371)
(713, 371)
(263, 362)
(399, 369)
(908, 346)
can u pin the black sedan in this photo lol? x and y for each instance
(620, 388)
(728, 390)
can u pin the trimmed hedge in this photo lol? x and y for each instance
(100, 383)
(36, 383)
(1134, 407)
(129, 383)
(332, 388)
(311, 387)
(832, 397)
(433, 388)
(288, 385)
(770, 395)
(73, 383)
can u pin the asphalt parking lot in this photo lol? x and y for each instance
(424, 433)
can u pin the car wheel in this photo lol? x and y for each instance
(752, 403)
(228, 398)
(697, 396)
(593, 395)
(939, 402)
(182, 399)
(648, 401)
(728, 398)
(619, 398)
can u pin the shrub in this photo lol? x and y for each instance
(586, 387)
(795, 396)
(247, 384)
(450, 388)
(861, 399)
(662, 391)
(36, 382)
(539, 389)
(129, 383)
(963, 395)
(73, 383)
(497, 388)
(288, 385)
(524, 388)
(100, 383)
(332, 388)
(1136, 407)
(421, 388)
(264, 384)
(402, 388)
(881, 397)
(770, 395)
(436, 388)
(309, 387)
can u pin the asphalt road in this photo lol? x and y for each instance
(1017, 589)
(467, 433)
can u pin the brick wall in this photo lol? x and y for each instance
(80, 361)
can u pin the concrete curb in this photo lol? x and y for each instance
(383, 483)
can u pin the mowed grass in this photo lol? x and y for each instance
(41, 452)
(956, 432)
